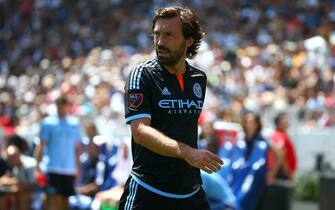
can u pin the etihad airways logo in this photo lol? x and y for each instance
(180, 104)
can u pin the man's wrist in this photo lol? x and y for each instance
(184, 151)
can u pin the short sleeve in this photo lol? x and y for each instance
(78, 136)
(138, 95)
(44, 131)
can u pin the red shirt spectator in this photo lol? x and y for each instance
(282, 142)
(7, 125)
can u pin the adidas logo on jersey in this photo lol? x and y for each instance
(165, 91)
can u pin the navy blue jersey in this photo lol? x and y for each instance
(152, 92)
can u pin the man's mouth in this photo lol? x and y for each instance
(162, 51)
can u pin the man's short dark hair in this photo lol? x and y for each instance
(190, 25)
(62, 101)
(19, 142)
(278, 118)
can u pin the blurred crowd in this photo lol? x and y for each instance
(258, 55)
(265, 56)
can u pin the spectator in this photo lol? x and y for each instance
(218, 192)
(19, 181)
(92, 170)
(60, 134)
(278, 193)
(111, 196)
(283, 142)
(246, 163)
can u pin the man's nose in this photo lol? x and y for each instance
(160, 41)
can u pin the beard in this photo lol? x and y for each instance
(170, 58)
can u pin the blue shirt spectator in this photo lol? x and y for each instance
(61, 135)
(218, 192)
(92, 173)
(245, 161)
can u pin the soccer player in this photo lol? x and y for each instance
(164, 98)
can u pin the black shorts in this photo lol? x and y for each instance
(135, 197)
(59, 184)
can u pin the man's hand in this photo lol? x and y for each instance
(202, 159)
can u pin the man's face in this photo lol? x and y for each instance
(91, 131)
(283, 124)
(62, 109)
(169, 41)
(93, 151)
(13, 156)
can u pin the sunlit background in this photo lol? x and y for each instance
(267, 56)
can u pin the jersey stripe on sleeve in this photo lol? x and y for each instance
(135, 76)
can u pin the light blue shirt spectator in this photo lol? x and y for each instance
(61, 136)
(218, 192)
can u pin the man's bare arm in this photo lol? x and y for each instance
(38, 154)
(159, 143)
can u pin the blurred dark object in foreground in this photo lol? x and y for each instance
(327, 191)
(277, 196)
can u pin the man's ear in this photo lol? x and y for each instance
(189, 42)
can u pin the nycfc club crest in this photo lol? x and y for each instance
(135, 100)
(197, 90)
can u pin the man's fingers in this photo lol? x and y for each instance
(213, 167)
(207, 161)
(214, 161)
(215, 158)
(216, 166)
(206, 169)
